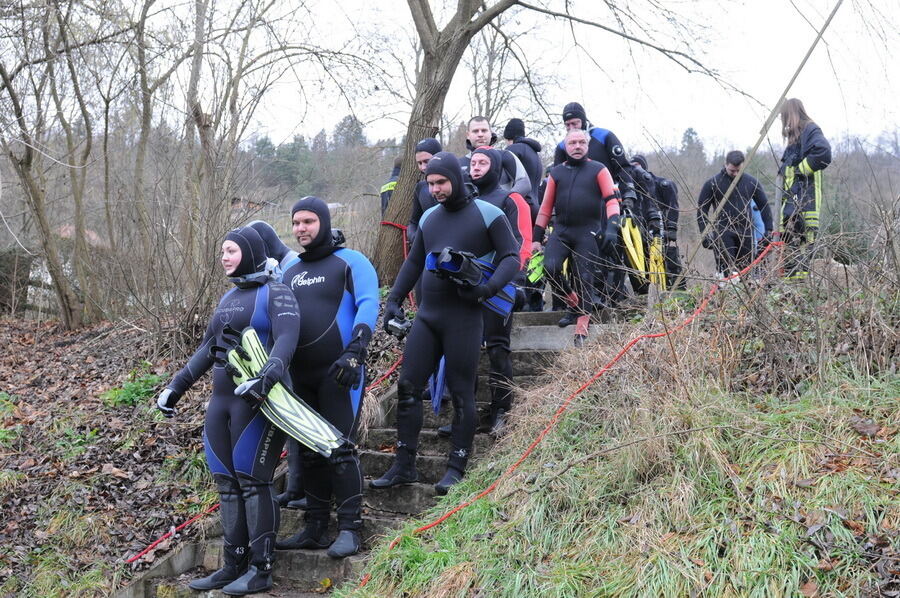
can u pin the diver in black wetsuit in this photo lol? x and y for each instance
(449, 320)
(667, 204)
(484, 169)
(337, 290)
(242, 446)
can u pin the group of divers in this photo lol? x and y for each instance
(288, 343)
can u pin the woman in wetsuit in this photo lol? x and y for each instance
(242, 446)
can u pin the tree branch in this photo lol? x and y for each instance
(425, 25)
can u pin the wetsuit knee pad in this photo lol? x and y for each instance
(341, 456)
(226, 484)
(498, 354)
(408, 394)
(312, 460)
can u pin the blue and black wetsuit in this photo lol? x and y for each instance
(242, 446)
(447, 322)
(732, 232)
(337, 290)
(801, 165)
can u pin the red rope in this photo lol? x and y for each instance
(565, 405)
(213, 508)
(412, 300)
(170, 533)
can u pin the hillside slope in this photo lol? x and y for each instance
(755, 453)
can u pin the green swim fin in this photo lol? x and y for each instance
(282, 407)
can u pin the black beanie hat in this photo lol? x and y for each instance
(430, 145)
(575, 110)
(447, 164)
(320, 209)
(515, 128)
(640, 160)
(491, 178)
(253, 251)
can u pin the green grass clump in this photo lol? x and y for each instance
(138, 387)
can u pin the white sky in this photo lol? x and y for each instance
(849, 86)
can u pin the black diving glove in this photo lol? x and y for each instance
(166, 402)
(392, 310)
(609, 240)
(475, 294)
(255, 389)
(347, 369)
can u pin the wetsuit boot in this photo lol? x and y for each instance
(456, 468)
(318, 473)
(292, 497)
(346, 544)
(402, 471)
(346, 480)
(262, 521)
(235, 557)
(409, 423)
(446, 430)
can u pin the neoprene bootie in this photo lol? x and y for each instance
(347, 543)
(402, 471)
(456, 467)
(235, 564)
(314, 535)
(253, 581)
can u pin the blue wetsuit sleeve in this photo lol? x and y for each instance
(365, 288)
(506, 258)
(198, 364)
(409, 271)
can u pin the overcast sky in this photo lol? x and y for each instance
(849, 86)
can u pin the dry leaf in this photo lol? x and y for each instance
(810, 589)
(698, 562)
(806, 483)
(864, 426)
(855, 526)
(825, 564)
(109, 469)
(666, 536)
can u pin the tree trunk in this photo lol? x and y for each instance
(442, 52)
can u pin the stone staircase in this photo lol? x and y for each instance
(306, 573)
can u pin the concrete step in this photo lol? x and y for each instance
(524, 362)
(430, 442)
(409, 499)
(431, 468)
(549, 338)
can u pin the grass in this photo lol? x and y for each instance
(139, 386)
(688, 470)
